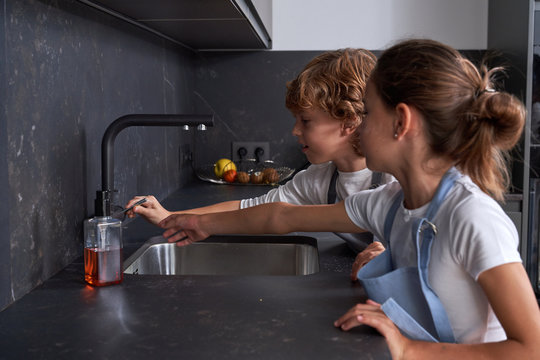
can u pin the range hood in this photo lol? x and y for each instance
(196, 24)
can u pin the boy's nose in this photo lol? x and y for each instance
(296, 129)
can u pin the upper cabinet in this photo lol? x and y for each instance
(198, 24)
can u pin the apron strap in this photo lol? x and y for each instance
(332, 192)
(376, 180)
(389, 220)
(423, 250)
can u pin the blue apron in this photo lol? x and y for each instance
(405, 294)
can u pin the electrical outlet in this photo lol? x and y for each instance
(251, 148)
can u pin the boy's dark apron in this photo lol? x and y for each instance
(331, 196)
(405, 294)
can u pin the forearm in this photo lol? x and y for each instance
(508, 349)
(215, 208)
(279, 218)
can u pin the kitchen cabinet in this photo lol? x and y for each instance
(196, 24)
(511, 30)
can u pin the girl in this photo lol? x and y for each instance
(436, 123)
(326, 99)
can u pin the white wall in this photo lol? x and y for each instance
(375, 24)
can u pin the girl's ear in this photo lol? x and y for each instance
(402, 121)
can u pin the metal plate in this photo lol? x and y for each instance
(206, 172)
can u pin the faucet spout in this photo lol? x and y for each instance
(103, 197)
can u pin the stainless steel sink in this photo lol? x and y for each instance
(227, 255)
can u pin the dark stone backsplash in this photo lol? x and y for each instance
(70, 71)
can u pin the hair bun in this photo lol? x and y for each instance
(504, 113)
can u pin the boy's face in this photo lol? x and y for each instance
(321, 136)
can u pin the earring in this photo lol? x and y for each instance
(395, 135)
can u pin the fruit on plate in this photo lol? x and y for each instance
(222, 165)
(270, 176)
(229, 176)
(256, 177)
(242, 177)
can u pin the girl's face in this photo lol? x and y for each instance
(322, 137)
(376, 130)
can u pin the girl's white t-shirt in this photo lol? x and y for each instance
(310, 187)
(474, 235)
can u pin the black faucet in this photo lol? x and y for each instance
(103, 196)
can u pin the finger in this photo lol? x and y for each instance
(171, 232)
(349, 323)
(371, 302)
(381, 323)
(351, 313)
(133, 201)
(184, 242)
(354, 271)
(354, 312)
(174, 237)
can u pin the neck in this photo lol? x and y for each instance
(419, 185)
(351, 164)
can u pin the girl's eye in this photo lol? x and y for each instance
(304, 121)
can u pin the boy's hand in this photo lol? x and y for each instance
(151, 210)
(183, 229)
(374, 249)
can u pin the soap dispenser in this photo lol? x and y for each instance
(103, 245)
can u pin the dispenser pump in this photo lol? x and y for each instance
(102, 203)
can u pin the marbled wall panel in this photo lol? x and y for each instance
(69, 72)
(5, 247)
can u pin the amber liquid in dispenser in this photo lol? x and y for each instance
(103, 267)
(103, 251)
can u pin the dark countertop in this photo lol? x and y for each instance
(193, 317)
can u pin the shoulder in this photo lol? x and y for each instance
(482, 234)
(372, 204)
(468, 204)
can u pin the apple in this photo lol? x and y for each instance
(223, 165)
(229, 176)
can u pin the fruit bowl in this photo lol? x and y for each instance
(206, 172)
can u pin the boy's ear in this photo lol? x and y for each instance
(349, 126)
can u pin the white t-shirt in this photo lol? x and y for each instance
(310, 187)
(474, 235)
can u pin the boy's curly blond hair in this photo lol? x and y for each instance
(335, 82)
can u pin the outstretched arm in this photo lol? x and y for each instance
(272, 218)
(154, 212)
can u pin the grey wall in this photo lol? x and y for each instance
(67, 71)
(246, 91)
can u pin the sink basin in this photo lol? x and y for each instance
(227, 255)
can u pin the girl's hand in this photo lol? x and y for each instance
(374, 249)
(151, 210)
(184, 229)
(371, 314)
